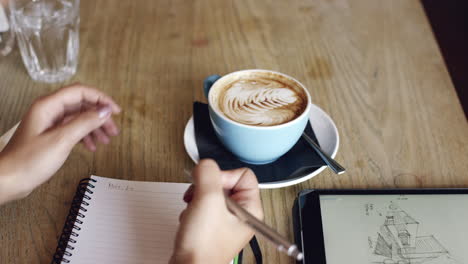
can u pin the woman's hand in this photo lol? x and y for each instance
(51, 128)
(208, 232)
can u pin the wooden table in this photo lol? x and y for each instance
(372, 65)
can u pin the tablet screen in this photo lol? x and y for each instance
(395, 229)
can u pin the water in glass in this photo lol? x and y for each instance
(47, 35)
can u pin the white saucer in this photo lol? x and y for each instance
(324, 128)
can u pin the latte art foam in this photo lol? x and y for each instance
(261, 102)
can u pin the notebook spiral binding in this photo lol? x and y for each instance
(74, 219)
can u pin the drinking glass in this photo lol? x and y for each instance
(47, 32)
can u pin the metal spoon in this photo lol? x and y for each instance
(335, 166)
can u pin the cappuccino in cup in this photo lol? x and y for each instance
(257, 114)
(260, 99)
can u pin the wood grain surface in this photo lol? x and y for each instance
(374, 66)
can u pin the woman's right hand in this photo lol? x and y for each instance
(208, 232)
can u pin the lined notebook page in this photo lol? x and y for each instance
(129, 222)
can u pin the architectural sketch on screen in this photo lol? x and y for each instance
(398, 242)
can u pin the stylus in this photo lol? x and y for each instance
(282, 244)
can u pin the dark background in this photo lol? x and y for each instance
(449, 21)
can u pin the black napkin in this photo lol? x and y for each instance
(300, 160)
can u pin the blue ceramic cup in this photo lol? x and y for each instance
(250, 143)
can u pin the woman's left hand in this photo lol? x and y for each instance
(48, 132)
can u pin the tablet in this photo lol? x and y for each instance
(426, 226)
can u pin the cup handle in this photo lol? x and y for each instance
(208, 82)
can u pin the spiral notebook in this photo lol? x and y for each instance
(118, 221)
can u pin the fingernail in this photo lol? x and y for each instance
(188, 198)
(188, 195)
(114, 132)
(104, 111)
